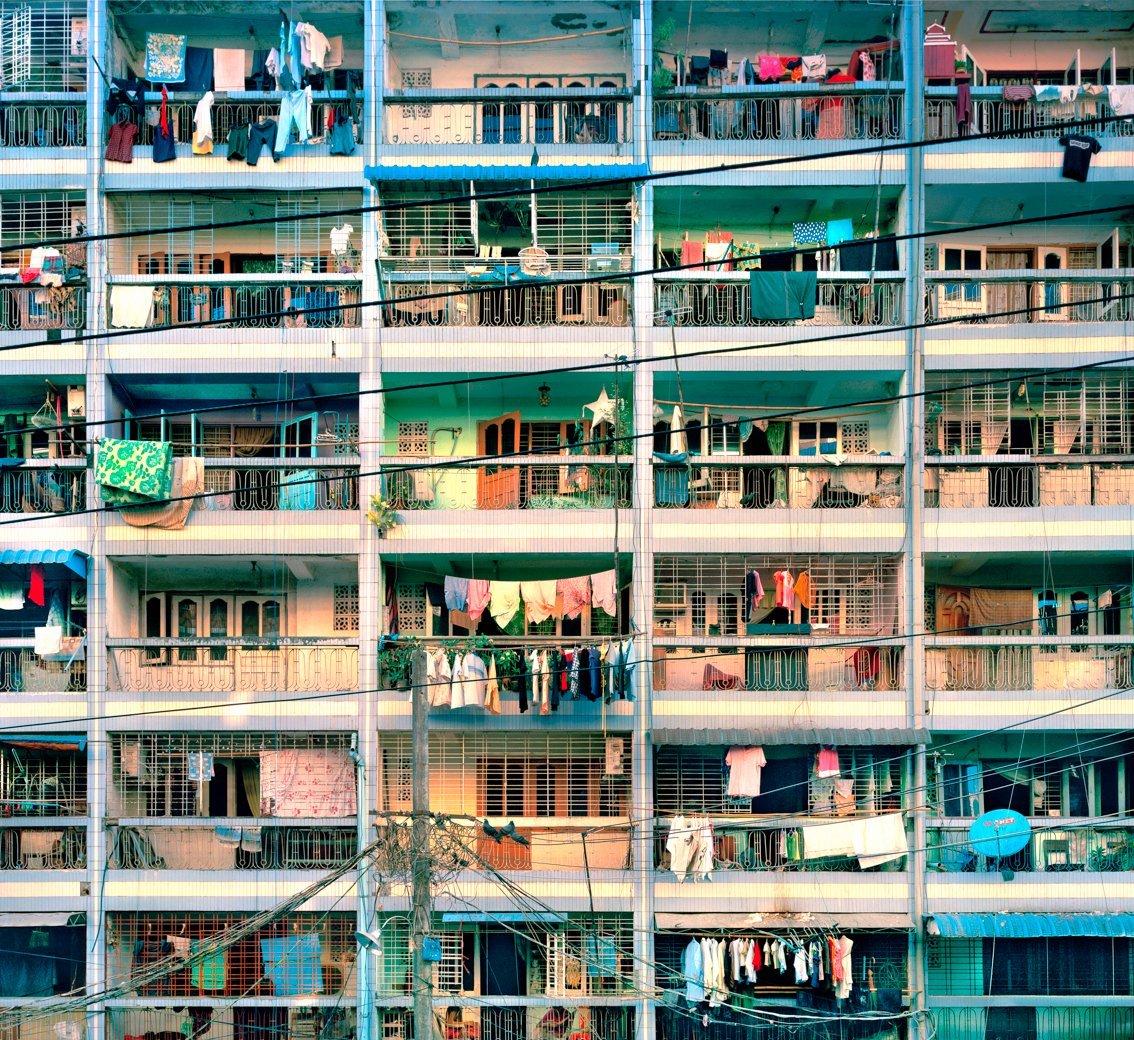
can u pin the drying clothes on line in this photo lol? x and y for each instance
(48, 640)
(827, 763)
(1056, 95)
(1077, 152)
(839, 231)
(745, 768)
(35, 585)
(802, 589)
(313, 46)
(340, 239)
(693, 968)
(134, 472)
(781, 296)
(492, 688)
(456, 592)
(260, 136)
(293, 964)
(470, 681)
(1121, 100)
(165, 147)
(131, 306)
(1022, 92)
(539, 598)
(504, 601)
(307, 783)
(604, 592)
(199, 767)
(120, 146)
(295, 111)
(203, 125)
(813, 232)
(229, 65)
(753, 595)
(678, 443)
(785, 589)
(11, 595)
(209, 971)
(165, 57)
(438, 679)
(479, 596)
(879, 254)
(575, 595)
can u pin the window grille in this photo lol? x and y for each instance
(417, 79)
(695, 780)
(424, 232)
(43, 783)
(704, 595)
(413, 438)
(48, 49)
(412, 609)
(509, 775)
(29, 216)
(856, 436)
(304, 245)
(571, 224)
(967, 413)
(345, 609)
(135, 939)
(590, 957)
(150, 771)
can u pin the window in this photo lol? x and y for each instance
(413, 438)
(345, 617)
(817, 438)
(414, 80)
(963, 260)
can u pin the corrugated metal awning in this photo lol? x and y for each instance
(675, 733)
(1031, 926)
(56, 920)
(696, 921)
(509, 172)
(46, 741)
(73, 559)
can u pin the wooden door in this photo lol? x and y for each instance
(498, 486)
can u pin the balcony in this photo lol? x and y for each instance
(293, 664)
(276, 485)
(783, 112)
(1069, 298)
(185, 843)
(34, 308)
(556, 121)
(564, 849)
(755, 482)
(44, 486)
(44, 121)
(539, 482)
(49, 847)
(1073, 847)
(1019, 1018)
(1018, 663)
(707, 299)
(303, 301)
(43, 776)
(992, 114)
(500, 296)
(1028, 481)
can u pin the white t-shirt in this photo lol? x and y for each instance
(744, 769)
(340, 238)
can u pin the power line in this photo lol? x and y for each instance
(580, 185)
(538, 283)
(467, 461)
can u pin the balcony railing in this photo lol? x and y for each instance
(224, 665)
(239, 110)
(183, 843)
(1037, 297)
(22, 671)
(491, 116)
(36, 308)
(1105, 1023)
(1010, 663)
(554, 846)
(724, 668)
(1027, 481)
(565, 303)
(1072, 847)
(710, 298)
(536, 482)
(781, 112)
(279, 485)
(251, 302)
(992, 114)
(55, 120)
(755, 482)
(43, 848)
(59, 486)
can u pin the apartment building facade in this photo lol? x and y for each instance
(866, 508)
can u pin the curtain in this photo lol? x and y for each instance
(248, 440)
(250, 779)
(1063, 435)
(1002, 608)
(992, 435)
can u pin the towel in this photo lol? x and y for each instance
(134, 472)
(882, 839)
(48, 639)
(11, 595)
(839, 231)
(479, 595)
(1121, 100)
(539, 596)
(228, 68)
(188, 480)
(456, 592)
(131, 306)
(504, 601)
(782, 295)
(604, 592)
(165, 57)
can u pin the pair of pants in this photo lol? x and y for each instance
(295, 109)
(260, 135)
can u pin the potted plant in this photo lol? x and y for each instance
(395, 662)
(382, 515)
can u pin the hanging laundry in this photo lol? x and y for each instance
(753, 594)
(802, 589)
(11, 595)
(229, 66)
(604, 592)
(575, 595)
(678, 443)
(504, 601)
(479, 596)
(785, 589)
(203, 125)
(539, 598)
(35, 585)
(814, 66)
(165, 147)
(746, 766)
(439, 679)
(456, 592)
(1077, 152)
(492, 689)
(681, 844)
(48, 640)
(1120, 99)
(813, 232)
(839, 231)
(469, 692)
(781, 296)
(827, 763)
(131, 306)
(165, 57)
(693, 968)
(199, 767)
(340, 239)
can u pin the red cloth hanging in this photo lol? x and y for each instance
(35, 585)
(163, 118)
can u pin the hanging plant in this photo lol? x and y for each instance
(382, 515)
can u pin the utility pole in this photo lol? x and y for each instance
(423, 1018)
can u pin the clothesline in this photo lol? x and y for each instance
(754, 408)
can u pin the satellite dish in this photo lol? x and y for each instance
(1002, 832)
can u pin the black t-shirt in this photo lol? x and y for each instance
(1077, 152)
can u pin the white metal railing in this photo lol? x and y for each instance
(281, 485)
(1032, 297)
(1026, 663)
(35, 308)
(23, 671)
(992, 114)
(1027, 481)
(53, 120)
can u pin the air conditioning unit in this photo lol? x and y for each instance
(76, 402)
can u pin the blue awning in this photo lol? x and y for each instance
(511, 172)
(73, 559)
(1032, 926)
(46, 741)
(505, 917)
